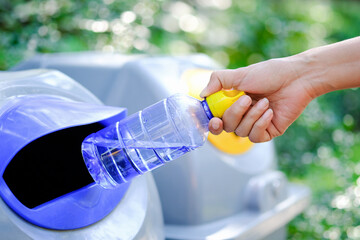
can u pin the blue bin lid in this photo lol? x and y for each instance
(28, 122)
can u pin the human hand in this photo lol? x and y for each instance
(277, 94)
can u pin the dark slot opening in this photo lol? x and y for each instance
(50, 166)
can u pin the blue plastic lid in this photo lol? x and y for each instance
(43, 176)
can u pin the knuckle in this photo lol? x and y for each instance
(260, 124)
(253, 138)
(252, 115)
(240, 133)
(277, 132)
(257, 112)
(214, 75)
(259, 137)
(228, 128)
(233, 111)
(236, 110)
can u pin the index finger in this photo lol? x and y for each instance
(222, 79)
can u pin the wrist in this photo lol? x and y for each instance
(311, 73)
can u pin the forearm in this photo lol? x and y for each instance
(332, 67)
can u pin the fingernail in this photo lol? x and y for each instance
(268, 113)
(215, 125)
(245, 101)
(263, 103)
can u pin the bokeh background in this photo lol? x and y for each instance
(321, 149)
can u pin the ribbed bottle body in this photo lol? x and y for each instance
(145, 140)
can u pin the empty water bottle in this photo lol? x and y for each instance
(150, 138)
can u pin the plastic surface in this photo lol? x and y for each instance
(137, 216)
(222, 100)
(42, 81)
(248, 224)
(25, 119)
(230, 143)
(145, 140)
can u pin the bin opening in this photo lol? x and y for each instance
(50, 166)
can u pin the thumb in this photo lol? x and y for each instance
(222, 79)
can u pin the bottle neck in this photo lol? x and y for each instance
(206, 108)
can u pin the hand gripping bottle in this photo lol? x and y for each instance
(151, 137)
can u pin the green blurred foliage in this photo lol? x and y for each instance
(321, 149)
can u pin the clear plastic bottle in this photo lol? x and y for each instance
(148, 139)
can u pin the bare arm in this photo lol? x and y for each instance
(332, 67)
(278, 90)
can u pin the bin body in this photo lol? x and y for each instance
(209, 193)
(131, 214)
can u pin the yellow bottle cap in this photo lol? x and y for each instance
(222, 100)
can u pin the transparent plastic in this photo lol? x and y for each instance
(146, 140)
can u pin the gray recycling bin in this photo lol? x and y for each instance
(229, 188)
(46, 191)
